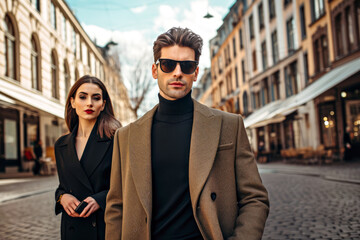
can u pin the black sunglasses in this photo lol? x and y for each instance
(169, 65)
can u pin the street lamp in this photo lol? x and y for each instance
(208, 15)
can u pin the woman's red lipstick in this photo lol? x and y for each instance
(89, 111)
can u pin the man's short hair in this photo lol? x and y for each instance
(183, 37)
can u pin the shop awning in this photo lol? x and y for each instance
(284, 107)
(12, 93)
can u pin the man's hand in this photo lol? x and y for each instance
(90, 208)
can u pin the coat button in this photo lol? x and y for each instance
(213, 196)
(94, 224)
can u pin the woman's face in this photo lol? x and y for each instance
(88, 102)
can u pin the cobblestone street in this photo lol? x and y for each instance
(306, 203)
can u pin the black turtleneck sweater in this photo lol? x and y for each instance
(172, 216)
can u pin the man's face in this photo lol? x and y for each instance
(176, 84)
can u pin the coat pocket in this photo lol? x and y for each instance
(225, 146)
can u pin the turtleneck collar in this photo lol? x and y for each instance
(176, 107)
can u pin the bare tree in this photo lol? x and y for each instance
(141, 82)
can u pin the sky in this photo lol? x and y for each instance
(135, 24)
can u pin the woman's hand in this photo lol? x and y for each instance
(90, 208)
(69, 203)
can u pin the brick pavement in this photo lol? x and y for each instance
(340, 171)
(304, 204)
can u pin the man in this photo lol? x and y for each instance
(183, 170)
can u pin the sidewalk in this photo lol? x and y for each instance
(15, 185)
(341, 171)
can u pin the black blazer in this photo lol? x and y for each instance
(88, 177)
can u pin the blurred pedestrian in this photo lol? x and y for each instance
(38, 151)
(183, 170)
(83, 159)
(347, 144)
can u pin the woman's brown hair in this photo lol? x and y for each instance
(107, 123)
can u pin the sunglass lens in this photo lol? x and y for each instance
(188, 67)
(167, 65)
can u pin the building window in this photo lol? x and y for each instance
(290, 35)
(77, 74)
(324, 49)
(303, 22)
(89, 59)
(10, 48)
(350, 29)
(275, 49)
(265, 93)
(246, 103)
(66, 77)
(229, 86)
(317, 9)
(275, 86)
(35, 4)
(321, 52)
(254, 60)
(74, 42)
(338, 36)
(53, 15)
(261, 16)
(54, 75)
(251, 27)
(264, 55)
(241, 39)
(35, 65)
(236, 77)
(306, 68)
(64, 33)
(272, 9)
(243, 70)
(291, 79)
(220, 65)
(234, 47)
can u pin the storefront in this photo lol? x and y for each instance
(9, 138)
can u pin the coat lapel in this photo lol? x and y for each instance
(140, 159)
(204, 143)
(70, 159)
(94, 151)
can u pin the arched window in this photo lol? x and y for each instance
(10, 46)
(66, 77)
(35, 64)
(246, 104)
(54, 75)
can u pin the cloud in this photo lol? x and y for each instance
(136, 44)
(192, 18)
(138, 9)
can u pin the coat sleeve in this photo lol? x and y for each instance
(114, 200)
(60, 189)
(100, 198)
(252, 196)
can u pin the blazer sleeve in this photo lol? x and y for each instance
(252, 196)
(114, 200)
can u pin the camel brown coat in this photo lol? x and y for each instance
(228, 198)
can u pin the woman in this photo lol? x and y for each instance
(83, 159)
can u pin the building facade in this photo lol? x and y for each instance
(43, 51)
(291, 68)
